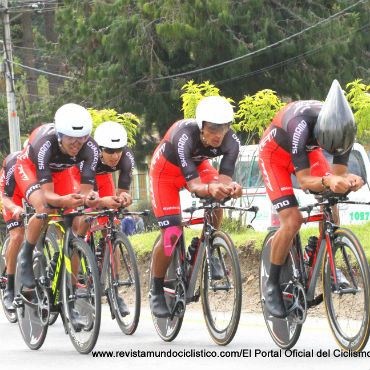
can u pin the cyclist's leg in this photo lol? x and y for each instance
(16, 234)
(25, 176)
(276, 168)
(164, 189)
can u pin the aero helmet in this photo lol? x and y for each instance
(110, 135)
(214, 109)
(335, 129)
(73, 120)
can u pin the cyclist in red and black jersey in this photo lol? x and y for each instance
(181, 159)
(43, 173)
(12, 208)
(293, 143)
(114, 155)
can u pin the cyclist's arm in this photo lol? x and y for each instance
(336, 183)
(70, 200)
(11, 207)
(216, 190)
(356, 182)
(124, 195)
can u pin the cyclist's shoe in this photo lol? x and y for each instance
(8, 299)
(274, 302)
(216, 268)
(25, 265)
(122, 307)
(78, 322)
(343, 283)
(158, 305)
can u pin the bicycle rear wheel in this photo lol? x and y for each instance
(222, 299)
(32, 328)
(125, 283)
(348, 307)
(284, 332)
(168, 328)
(11, 316)
(81, 295)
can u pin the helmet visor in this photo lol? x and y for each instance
(214, 128)
(69, 140)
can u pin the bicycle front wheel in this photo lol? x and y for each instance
(11, 316)
(284, 332)
(124, 284)
(81, 296)
(168, 328)
(347, 305)
(222, 298)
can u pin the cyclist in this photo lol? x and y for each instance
(114, 155)
(43, 173)
(181, 159)
(12, 208)
(293, 143)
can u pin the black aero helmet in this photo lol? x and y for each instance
(335, 129)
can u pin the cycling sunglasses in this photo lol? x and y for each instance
(214, 127)
(112, 150)
(73, 139)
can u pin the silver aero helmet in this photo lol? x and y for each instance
(214, 109)
(335, 129)
(110, 135)
(73, 120)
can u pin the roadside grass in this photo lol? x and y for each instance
(143, 243)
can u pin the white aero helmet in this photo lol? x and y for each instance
(214, 109)
(111, 135)
(73, 120)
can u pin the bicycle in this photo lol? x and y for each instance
(221, 299)
(345, 281)
(71, 288)
(117, 263)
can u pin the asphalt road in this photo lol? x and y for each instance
(252, 342)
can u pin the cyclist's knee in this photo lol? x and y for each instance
(170, 237)
(17, 235)
(291, 220)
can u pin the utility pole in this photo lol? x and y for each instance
(13, 119)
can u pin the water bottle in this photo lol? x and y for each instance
(192, 249)
(310, 249)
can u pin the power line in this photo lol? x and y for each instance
(41, 71)
(289, 60)
(218, 65)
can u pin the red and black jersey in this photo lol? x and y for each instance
(7, 182)
(292, 129)
(44, 151)
(182, 147)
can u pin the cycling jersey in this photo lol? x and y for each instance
(181, 157)
(42, 160)
(287, 146)
(9, 188)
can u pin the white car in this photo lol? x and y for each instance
(248, 174)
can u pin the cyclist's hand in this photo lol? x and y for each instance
(111, 202)
(126, 199)
(338, 184)
(18, 211)
(92, 199)
(73, 200)
(236, 190)
(218, 191)
(355, 181)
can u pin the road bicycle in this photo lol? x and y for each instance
(345, 281)
(117, 264)
(221, 299)
(70, 287)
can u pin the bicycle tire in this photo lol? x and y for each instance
(284, 332)
(51, 247)
(30, 325)
(81, 289)
(222, 307)
(348, 313)
(11, 316)
(128, 286)
(168, 328)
